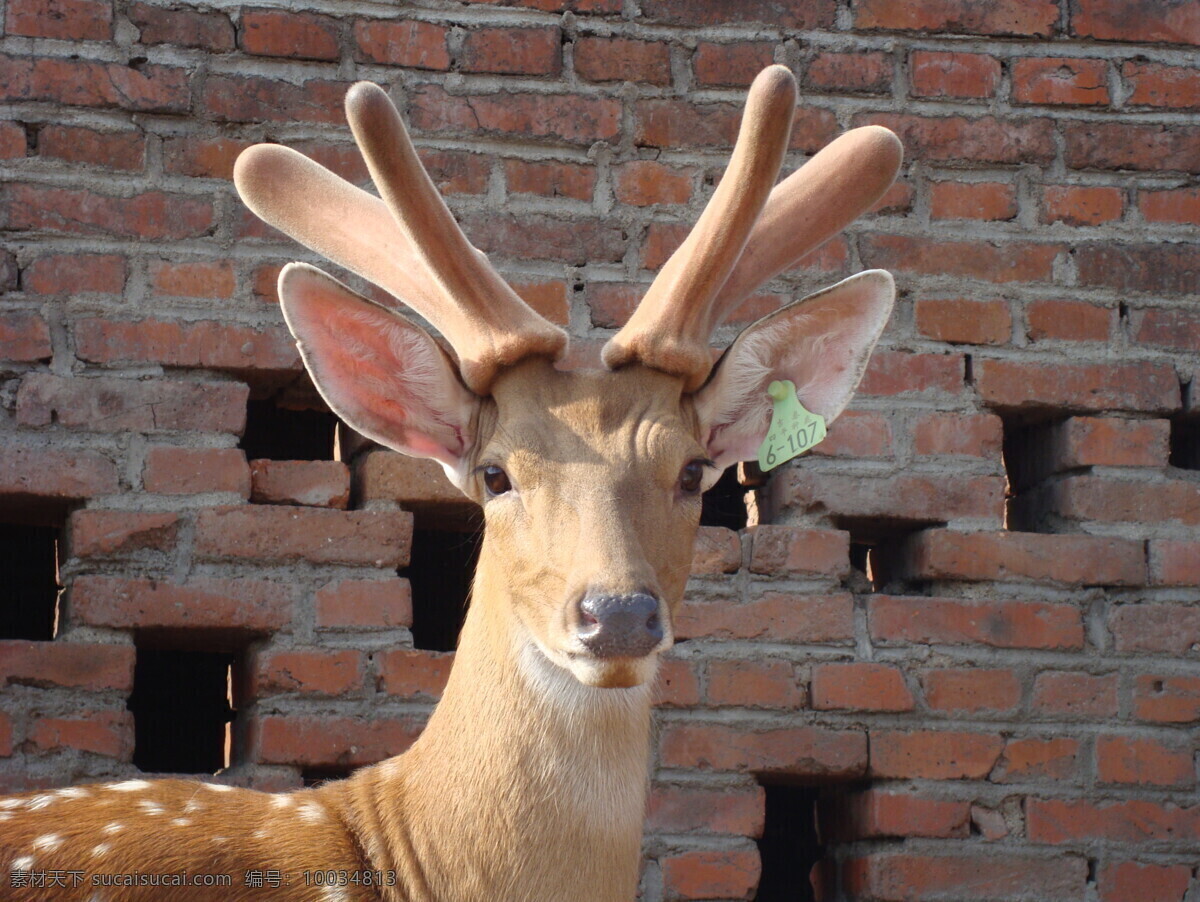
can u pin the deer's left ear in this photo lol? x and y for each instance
(821, 343)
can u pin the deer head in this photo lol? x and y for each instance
(590, 480)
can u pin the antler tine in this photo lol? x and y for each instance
(671, 327)
(485, 321)
(812, 205)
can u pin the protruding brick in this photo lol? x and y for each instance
(792, 551)
(687, 808)
(242, 605)
(307, 671)
(261, 532)
(99, 533)
(79, 665)
(51, 475)
(312, 483)
(108, 733)
(189, 471)
(1015, 384)
(879, 814)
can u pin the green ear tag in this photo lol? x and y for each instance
(793, 429)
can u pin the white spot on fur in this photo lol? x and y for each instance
(72, 792)
(114, 827)
(283, 800)
(11, 803)
(101, 850)
(37, 803)
(193, 805)
(218, 787)
(151, 808)
(220, 839)
(129, 786)
(334, 894)
(5, 815)
(180, 822)
(24, 863)
(48, 842)
(311, 812)
(259, 834)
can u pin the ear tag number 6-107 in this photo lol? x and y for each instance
(793, 429)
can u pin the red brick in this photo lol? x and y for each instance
(1155, 268)
(1001, 624)
(898, 372)
(1177, 329)
(1109, 442)
(152, 215)
(68, 20)
(972, 435)
(1143, 761)
(896, 497)
(208, 279)
(364, 604)
(1104, 500)
(416, 484)
(686, 808)
(410, 44)
(24, 337)
(113, 150)
(986, 875)
(47, 474)
(944, 554)
(642, 183)
(92, 666)
(1015, 384)
(792, 14)
(277, 533)
(108, 733)
(963, 321)
(662, 240)
(755, 684)
(273, 32)
(1136, 21)
(307, 671)
(411, 672)
(991, 201)
(678, 684)
(563, 117)
(734, 64)
(791, 551)
(1174, 562)
(864, 73)
(331, 741)
(934, 755)
(1172, 629)
(897, 199)
(535, 236)
(1068, 320)
(512, 51)
(794, 751)
(75, 82)
(1081, 205)
(971, 690)
(982, 140)
(206, 29)
(1006, 17)
(100, 533)
(773, 616)
(1059, 80)
(1156, 85)
(6, 735)
(1066, 694)
(13, 143)
(1058, 821)
(242, 605)
(708, 874)
(312, 483)
(236, 98)
(1030, 759)
(879, 814)
(858, 433)
(622, 59)
(672, 124)
(612, 303)
(966, 75)
(1162, 698)
(860, 687)
(1180, 206)
(550, 178)
(1131, 881)
(113, 404)
(716, 550)
(457, 173)
(171, 470)
(1150, 147)
(987, 261)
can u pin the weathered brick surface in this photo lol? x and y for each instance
(969, 617)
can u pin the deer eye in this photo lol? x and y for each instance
(691, 477)
(495, 480)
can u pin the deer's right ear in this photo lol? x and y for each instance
(385, 376)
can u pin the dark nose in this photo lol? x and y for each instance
(620, 626)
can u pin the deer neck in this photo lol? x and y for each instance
(525, 784)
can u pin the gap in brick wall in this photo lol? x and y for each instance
(790, 846)
(877, 548)
(29, 563)
(1026, 457)
(281, 433)
(1185, 444)
(725, 503)
(441, 568)
(183, 707)
(315, 776)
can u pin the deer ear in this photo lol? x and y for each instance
(385, 376)
(820, 343)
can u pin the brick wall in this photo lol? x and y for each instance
(965, 631)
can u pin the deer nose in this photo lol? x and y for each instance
(620, 626)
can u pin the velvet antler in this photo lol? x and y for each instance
(745, 237)
(408, 243)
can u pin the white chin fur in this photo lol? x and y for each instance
(579, 681)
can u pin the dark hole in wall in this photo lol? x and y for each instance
(315, 776)
(1027, 460)
(279, 433)
(181, 709)
(725, 503)
(441, 569)
(877, 552)
(1185, 444)
(789, 846)
(29, 564)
